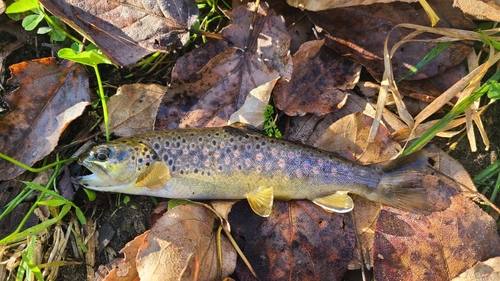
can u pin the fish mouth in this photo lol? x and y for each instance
(96, 170)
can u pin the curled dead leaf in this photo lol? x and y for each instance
(51, 94)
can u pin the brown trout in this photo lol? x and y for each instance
(234, 162)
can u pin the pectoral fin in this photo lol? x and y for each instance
(155, 176)
(261, 201)
(339, 202)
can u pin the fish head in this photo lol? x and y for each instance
(115, 166)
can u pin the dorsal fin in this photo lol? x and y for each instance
(155, 176)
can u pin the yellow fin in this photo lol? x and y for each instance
(261, 201)
(155, 176)
(339, 202)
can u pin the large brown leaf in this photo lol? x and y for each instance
(133, 109)
(182, 245)
(298, 241)
(320, 81)
(211, 94)
(435, 247)
(359, 32)
(126, 31)
(49, 97)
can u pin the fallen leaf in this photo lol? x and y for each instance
(126, 31)
(182, 246)
(405, 244)
(312, 5)
(49, 97)
(347, 135)
(132, 110)
(125, 269)
(479, 10)
(320, 81)
(298, 241)
(488, 270)
(356, 32)
(251, 112)
(209, 96)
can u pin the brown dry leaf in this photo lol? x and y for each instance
(313, 5)
(256, 102)
(479, 10)
(359, 32)
(348, 137)
(132, 110)
(209, 96)
(488, 270)
(126, 31)
(51, 94)
(438, 246)
(298, 241)
(182, 246)
(320, 81)
(125, 269)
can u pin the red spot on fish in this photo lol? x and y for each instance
(259, 169)
(305, 165)
(298, 173)
(290, 155)
(227, 160)
(274, 151)
(205, 151)
(362, 173)
(315, 170)
(247, 162)
(281, 163)
(236, 153)
(287, 177)
(334, 171)
(216, 154)
(207, 163)
(320, 162)
(178, 162)
(185, 151)
(258, 156)
(222, 145)
(195, 159)
(349, 176)
(282, 154)
(173, 151)
(268, 166)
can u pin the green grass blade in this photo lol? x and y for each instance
(431, 55)
(450, 116)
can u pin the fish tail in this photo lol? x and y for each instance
(401, 183)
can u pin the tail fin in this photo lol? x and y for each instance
(401, 183)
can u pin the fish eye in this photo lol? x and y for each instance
(102, 154)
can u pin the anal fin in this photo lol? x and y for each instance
(261, 201)
(155, 176)
(338, 202)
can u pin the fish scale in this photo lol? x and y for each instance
(235, 162)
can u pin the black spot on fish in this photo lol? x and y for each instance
(170, 162)
(272, 141)
(145, 149)
(148, 156)
(178, 144)
(240, 138)
(257, 146)
(147, 164)
(156, 146)
(179, 137)
(249, 147)
(143, 153)
(219, 168)
(202, 173)
(155, 157)
(183, 140)
(200, 139)
(263, 143)
(173, 168)
(167, 144)
(214, 142)
(228, 150)
(136, 148)
(140, 160)
(239, 167)
(208, 173)
(182, 172)
(132, 157)
(195, 171)
(257, 138)
(158, 138)
(217, 134)
(130, 149)
(187, 166)
(165, 157)
(247, 136)
(192, 134)
(231, 140)
(192, 145)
